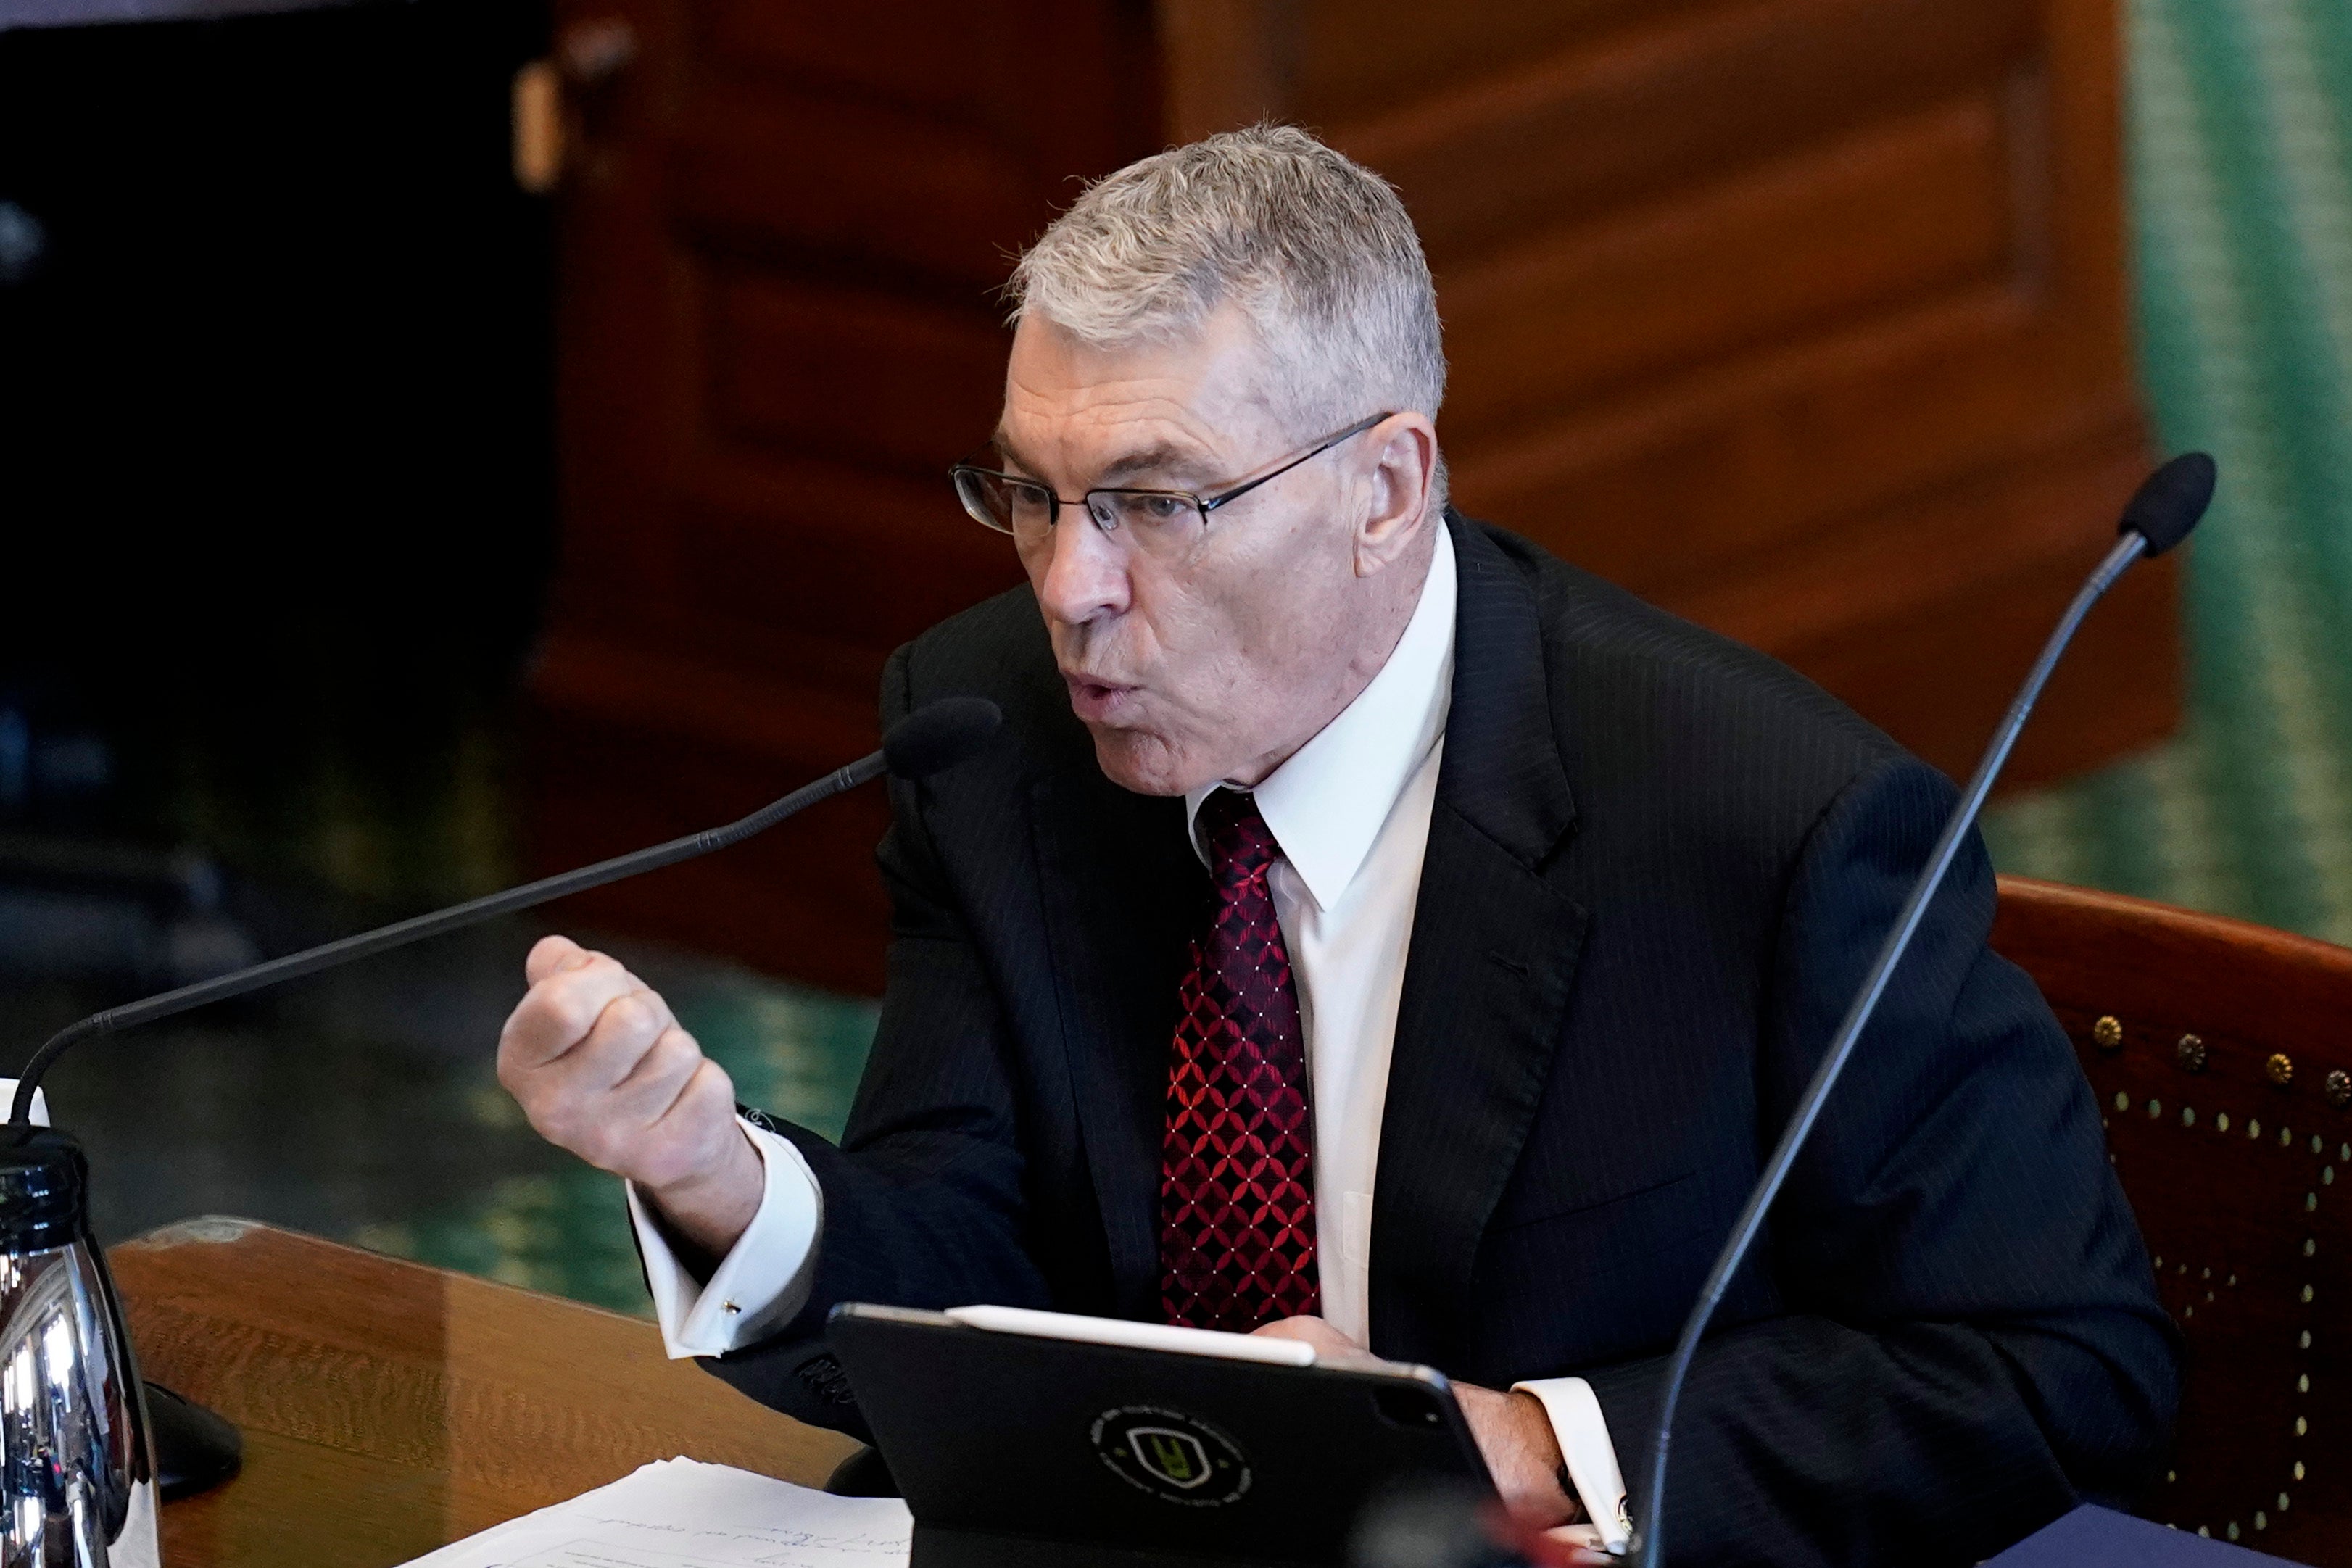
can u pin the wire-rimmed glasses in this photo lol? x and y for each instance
(1163, 523)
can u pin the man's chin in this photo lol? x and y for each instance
(1139, 760)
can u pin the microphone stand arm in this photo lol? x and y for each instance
(402, 933)
(1650, 1541)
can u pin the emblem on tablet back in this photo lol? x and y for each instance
(1172, 1455)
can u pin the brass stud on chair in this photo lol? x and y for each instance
(2279, 1069)
(2339, 1088)
(2107, 1033)
(2189, 1053)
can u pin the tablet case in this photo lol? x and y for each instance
(1015, 1450)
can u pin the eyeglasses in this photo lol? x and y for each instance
(1166, 524)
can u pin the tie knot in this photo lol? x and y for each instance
(1239, 843)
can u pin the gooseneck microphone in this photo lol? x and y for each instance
(933, 737)
(2158, 517)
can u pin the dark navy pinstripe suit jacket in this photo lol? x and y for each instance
(1657, 866)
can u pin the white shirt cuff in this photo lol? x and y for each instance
(761, 1282)
(1582, 1432)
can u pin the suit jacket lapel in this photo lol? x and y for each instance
(1118, 958)
(1493, 952)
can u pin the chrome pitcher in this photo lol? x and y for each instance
(77, 1467)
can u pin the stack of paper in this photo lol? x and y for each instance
(679, 1513)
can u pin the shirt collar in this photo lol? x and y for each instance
(1326, 803)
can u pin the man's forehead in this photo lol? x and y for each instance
(1109, 450)
(1125, 408)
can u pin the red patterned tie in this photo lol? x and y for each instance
(1236, 1196)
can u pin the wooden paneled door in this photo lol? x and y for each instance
(783, 226)
(1803, 317)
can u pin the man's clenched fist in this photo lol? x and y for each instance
(602, 1069)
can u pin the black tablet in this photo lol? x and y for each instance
(1037, 1439)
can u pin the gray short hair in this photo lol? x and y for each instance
(1317, 249)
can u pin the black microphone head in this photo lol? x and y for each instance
(2170, 501)
(940, 735)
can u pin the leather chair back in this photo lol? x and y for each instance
(2222, 1056)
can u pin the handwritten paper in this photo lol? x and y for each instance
(679, 1513)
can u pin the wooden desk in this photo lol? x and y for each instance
(389, 1407)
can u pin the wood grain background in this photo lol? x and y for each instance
(1803, 317)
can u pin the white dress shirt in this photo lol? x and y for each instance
(1350, 810)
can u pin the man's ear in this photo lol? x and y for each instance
(1401, 455)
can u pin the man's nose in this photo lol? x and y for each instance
(1086, 575)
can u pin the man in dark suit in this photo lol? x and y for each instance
(1373, 930)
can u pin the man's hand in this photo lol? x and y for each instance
(1330, 1346)
(1512, 1430)
(601, 1067)
(1522, 1455)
